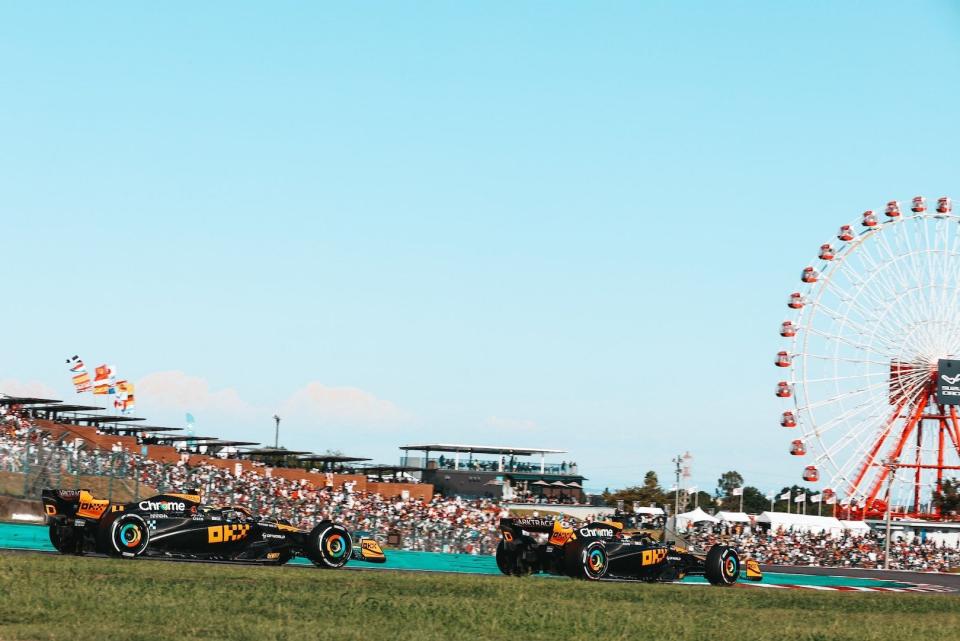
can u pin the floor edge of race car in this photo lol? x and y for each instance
(22, 537)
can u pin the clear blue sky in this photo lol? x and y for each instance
(548, 224)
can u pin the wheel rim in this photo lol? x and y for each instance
(731, 566)
(595, 561)
(335, 546)
(130, 535)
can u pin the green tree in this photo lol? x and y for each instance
(704, 500)
(727, 482)
(649, 492)
(948, 498)
(754, 501)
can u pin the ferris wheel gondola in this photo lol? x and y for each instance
(875, 316)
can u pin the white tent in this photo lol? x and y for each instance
(857, 527)
(733, 517)
(800, 522)
(694, 516)
(652, 511)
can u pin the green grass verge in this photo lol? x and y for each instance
(53, 597)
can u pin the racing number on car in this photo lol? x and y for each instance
(652, 557)
(226, 533)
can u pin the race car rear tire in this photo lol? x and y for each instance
(587, 560)
(722, 566)
(129, 536)
(512, 562)
(62, 544)
(329, 545)
(505, 559)
(102, 536)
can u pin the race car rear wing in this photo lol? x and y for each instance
(73, 503)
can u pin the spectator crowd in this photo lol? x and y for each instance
(849, 550)
(441, 524)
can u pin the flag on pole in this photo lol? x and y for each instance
(737, 491)
(785, 496)
(124, 400)
(815, 498)
(800, 498)
(81, 378)
(104, 381)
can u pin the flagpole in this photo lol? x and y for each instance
(789, 501)
(741, 499)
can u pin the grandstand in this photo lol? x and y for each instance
(123, 445)
(509, 475)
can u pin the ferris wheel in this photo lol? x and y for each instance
(877, 311)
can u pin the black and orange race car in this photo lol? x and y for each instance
(180, 526)
(607, 550)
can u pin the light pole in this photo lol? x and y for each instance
(276, 433)
(676, 496)
(891, 465)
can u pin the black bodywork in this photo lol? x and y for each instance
(180, 526)
(605, 550)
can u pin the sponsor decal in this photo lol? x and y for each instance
(533, 523)
(273, 536)
(653, 557)
(287, 528)
(603, 532)
(948, 382)
(227, 533)
(273, 555)
(68, 494)
(370, 549)
(162, 506)
(50, 510)
(90, 507)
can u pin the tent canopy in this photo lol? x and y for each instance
(696, 516)
(733, 517)
(654, 511)
(800, 522)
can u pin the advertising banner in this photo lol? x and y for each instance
(948, 382)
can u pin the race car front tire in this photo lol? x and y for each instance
(329, 545)
(722, 566)
(129, 536)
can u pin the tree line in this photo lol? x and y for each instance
(754, 501)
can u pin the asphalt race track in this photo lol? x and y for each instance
(29, 538)
(948, 581)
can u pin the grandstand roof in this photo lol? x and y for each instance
(153, 428)
(273, 451)
(67, 408)
(109, 419)
(25, 400)
(230, 443)
(480, 449)
(380, 469)
(332, 458)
